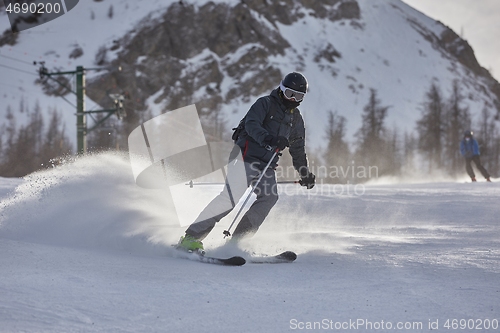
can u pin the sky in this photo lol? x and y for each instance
(476, 20)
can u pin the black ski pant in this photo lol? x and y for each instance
(224, 203)
(477, 161)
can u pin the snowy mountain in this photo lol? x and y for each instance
(222, 55)
(83, 249)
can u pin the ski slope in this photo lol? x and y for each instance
(83, 249)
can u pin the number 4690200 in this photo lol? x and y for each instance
(33, 8)
(471, 324)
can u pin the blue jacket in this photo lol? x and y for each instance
(469, 148)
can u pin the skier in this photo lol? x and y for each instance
(470, 150)
(272, 123)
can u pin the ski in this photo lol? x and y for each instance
(201, 257)
(285, 257)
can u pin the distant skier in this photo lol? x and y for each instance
(272, 123)
(470, 150)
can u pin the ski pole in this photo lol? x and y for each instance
(226, 232)
(192, 184)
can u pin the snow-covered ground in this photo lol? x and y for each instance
(83, 249)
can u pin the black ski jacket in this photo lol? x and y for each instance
(284, 122)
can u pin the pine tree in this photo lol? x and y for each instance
(130, 122)
(25, 156)
(457, 121)
(103, 137)
(337, 151)
(486, 139)
(372, 143)
(393, 153)
(410, 146)
(26, 149)
(495, 152)
(11, 127)
(55, 144)
(214, 125)
(430, 127)
(2, 131)
(10, 131)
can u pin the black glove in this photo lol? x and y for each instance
(279, 142)
(308, 181)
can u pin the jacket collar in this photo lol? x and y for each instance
(276, 95)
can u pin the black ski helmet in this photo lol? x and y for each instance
(468, 134)
(295, 81)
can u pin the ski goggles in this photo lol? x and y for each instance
(298, 96)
